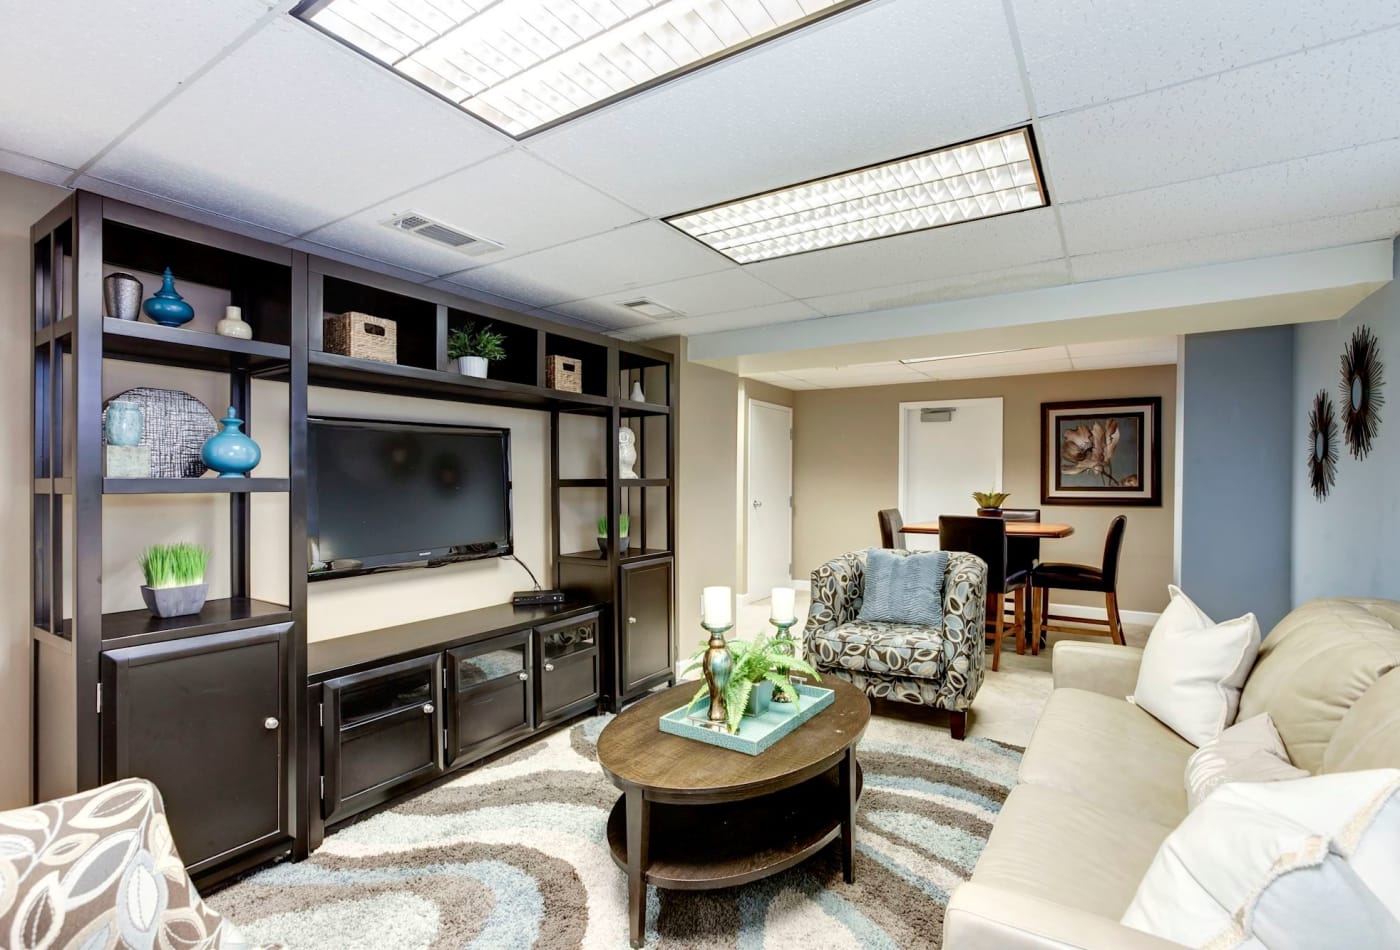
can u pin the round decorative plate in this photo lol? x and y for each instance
(1362, 377)
(176, 425)
(1322, 445)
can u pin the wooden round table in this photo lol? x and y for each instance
(694, 816)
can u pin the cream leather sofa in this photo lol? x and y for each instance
(1101, 784)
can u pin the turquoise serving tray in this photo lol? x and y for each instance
(756, 733)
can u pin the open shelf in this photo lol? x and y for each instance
(171, 346)
(629, 408)
(192, 486)
(218, 616)
(583, 483)
(643, 482)
(633, 554)
(522, 346)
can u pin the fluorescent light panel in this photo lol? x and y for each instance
(980, 179)
(956, 356)
(522, 65)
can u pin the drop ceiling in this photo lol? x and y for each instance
(1171, 136)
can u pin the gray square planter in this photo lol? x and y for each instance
(175, 601)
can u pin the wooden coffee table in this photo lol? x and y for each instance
(694, 816)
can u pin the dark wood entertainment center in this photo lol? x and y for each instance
(257, 739)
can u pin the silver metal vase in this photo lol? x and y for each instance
(122, 295)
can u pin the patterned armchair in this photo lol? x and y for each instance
(927, 666)
(98, 869)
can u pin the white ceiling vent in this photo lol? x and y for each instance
(651, 309)
(444, 235)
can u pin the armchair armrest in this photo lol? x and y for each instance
(980, 917)
(836, 595)
(1097, 667)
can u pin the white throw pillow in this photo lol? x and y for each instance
(1194, 668)
(1248, 751)
(1291, 865)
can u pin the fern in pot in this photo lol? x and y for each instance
(760, 668)
(623, 523)
(474, 349)
(175, 585)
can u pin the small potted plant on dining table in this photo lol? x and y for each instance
(760, 668)
(989, 502)
(174, 573)
(473, 349)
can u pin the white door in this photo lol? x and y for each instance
(947, 450)
(769, 498)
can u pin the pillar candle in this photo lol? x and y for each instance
(783, 604)
(716, 607)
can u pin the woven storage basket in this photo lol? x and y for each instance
(362, 336)
(564, 373)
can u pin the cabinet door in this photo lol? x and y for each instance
(203, 718)
(568, 658)
(492, 695)
(381, 730)
(645, 651)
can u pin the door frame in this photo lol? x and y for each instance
(905, 407)
(749, 593)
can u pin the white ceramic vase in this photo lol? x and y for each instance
(637, 394)
(232, 325)
(472, 366)
(626, 452)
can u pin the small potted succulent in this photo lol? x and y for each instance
(989, 502)
(623, 523)
(174, 574)
(473, 349)
(759, 668)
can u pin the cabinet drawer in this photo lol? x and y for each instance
(491, 686)
(569, 679)
(386, 750)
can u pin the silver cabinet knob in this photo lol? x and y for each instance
(271, 723)
(631, 619)
(549, 667)
(428, 709)
(523, 675)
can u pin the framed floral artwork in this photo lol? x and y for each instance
(1101, 452)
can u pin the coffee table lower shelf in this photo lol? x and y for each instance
(700, 847)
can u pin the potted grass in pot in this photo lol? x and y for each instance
(624, 522)
(473, 349)
(175, 585)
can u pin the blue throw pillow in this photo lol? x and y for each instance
(904, 589)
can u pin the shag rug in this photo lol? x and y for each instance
(514, 854)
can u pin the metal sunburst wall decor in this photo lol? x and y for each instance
(1322, 445)
(1361, 396)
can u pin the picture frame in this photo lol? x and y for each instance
(1101, 452)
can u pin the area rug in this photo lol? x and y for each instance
(513, 854)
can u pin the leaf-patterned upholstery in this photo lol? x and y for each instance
(929, 666)
(99, 870)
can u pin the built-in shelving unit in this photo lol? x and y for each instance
(109, 685)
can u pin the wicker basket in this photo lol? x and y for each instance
(564, 373)
(361, 336)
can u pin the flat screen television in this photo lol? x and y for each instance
(388, 495)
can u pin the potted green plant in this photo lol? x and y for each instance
(760, 667)
(624, 521)
(990, 502)
(174, 574)
(473, 349)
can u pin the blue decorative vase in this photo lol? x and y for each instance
(167, 307)
(125, 420)
(228, 451)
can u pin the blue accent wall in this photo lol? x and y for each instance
(1237, 472)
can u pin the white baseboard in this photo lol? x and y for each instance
(753, 596)
(1144, 617)
(803, 585)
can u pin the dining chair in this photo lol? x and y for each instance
(1021, 554)
(891, 524)
(1086, 577)
(986, 538)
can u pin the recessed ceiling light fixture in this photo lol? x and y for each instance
(983, 178)
(525, 65)
(956, 356)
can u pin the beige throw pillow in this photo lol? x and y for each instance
(1293, 865)
(1248, 751)
(1193, 669)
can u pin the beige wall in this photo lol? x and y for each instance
(847, 458)
(21, 203)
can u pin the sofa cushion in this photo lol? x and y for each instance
(894, 649)
(903, 589)
(1314, 666)
(1110, 752)
(1068, 850)
(1368, 737)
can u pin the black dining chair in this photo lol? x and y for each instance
(986, 538)
(1022, 554)
(1102, 579)
(891, 524)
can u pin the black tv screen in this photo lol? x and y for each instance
(393, 494)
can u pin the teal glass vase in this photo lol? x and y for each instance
(167, 307)
(229, 451)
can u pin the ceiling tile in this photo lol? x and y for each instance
(769, 315)
(1242, 245)
(987, 283)
(80, 73)
(1112, 348)
(1366, 178)
(1125, 360)
(294, 130)
(513, 199)
(1079, 52)
(874, 83)
(637, 255)
(959, 249)
(1343, 94)
(719, 292)
(958, 370)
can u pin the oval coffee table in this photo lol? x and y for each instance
(694, 816)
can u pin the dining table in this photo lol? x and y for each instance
(1014, 529)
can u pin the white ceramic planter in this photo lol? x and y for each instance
(472, 366)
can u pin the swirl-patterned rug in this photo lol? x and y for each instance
(513, 854)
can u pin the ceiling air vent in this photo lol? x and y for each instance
(444, 235)
(651, 309)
